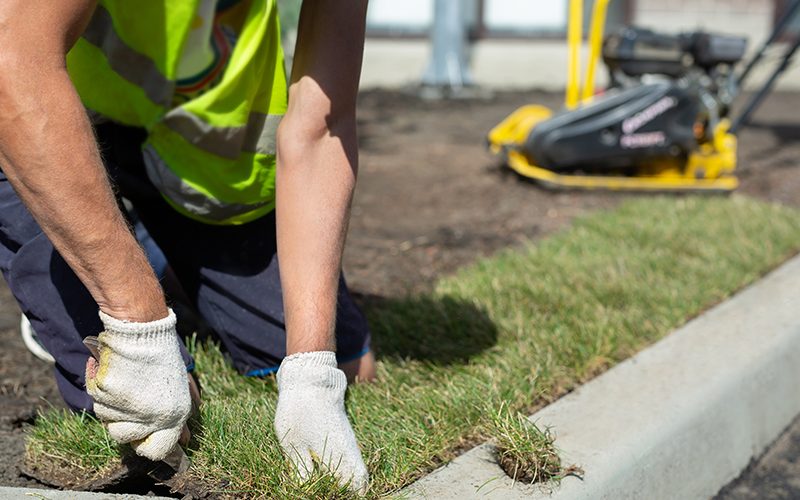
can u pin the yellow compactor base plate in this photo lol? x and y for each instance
(550, 179)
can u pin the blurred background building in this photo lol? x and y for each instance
(521, 43)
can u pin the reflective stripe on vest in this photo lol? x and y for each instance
(133, 66)
(258, 136)
(213, 157)
(198, 205)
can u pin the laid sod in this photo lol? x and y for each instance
(515, 330)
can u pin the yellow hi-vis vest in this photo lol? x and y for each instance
(213, 157)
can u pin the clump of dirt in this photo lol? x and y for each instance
(524, 451)
(524, 471)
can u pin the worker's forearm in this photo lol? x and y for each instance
(317, 165)
(313, 207)
(49, 154)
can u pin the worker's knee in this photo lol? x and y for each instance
(361, 369)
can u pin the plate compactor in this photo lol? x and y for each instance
(660, 126)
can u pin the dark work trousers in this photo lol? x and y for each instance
(230, 273)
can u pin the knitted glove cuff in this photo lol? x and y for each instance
(311, 369)
(152, 331)
(315, 358)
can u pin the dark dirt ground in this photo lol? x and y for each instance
(430, 199)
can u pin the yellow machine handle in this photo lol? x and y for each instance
(574, 35)
(574, 38)
(595, 45)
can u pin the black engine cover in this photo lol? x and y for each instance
(638, 51)
(620, 130)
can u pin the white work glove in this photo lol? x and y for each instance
(310, 419)
(139, 384)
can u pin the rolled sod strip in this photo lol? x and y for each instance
(520, 328)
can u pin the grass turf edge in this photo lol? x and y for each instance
(526, 452)
(515, 331)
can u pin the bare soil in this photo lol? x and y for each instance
(430, 199)
(26, 384)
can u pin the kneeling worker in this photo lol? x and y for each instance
(188, 117)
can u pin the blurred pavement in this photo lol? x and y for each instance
(776, 475)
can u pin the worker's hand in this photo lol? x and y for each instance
(311, 422)
(139, 384)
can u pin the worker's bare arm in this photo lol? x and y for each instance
(49, 154)
(317, 165)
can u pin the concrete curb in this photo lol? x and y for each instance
(678, 420)
(9, 493)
